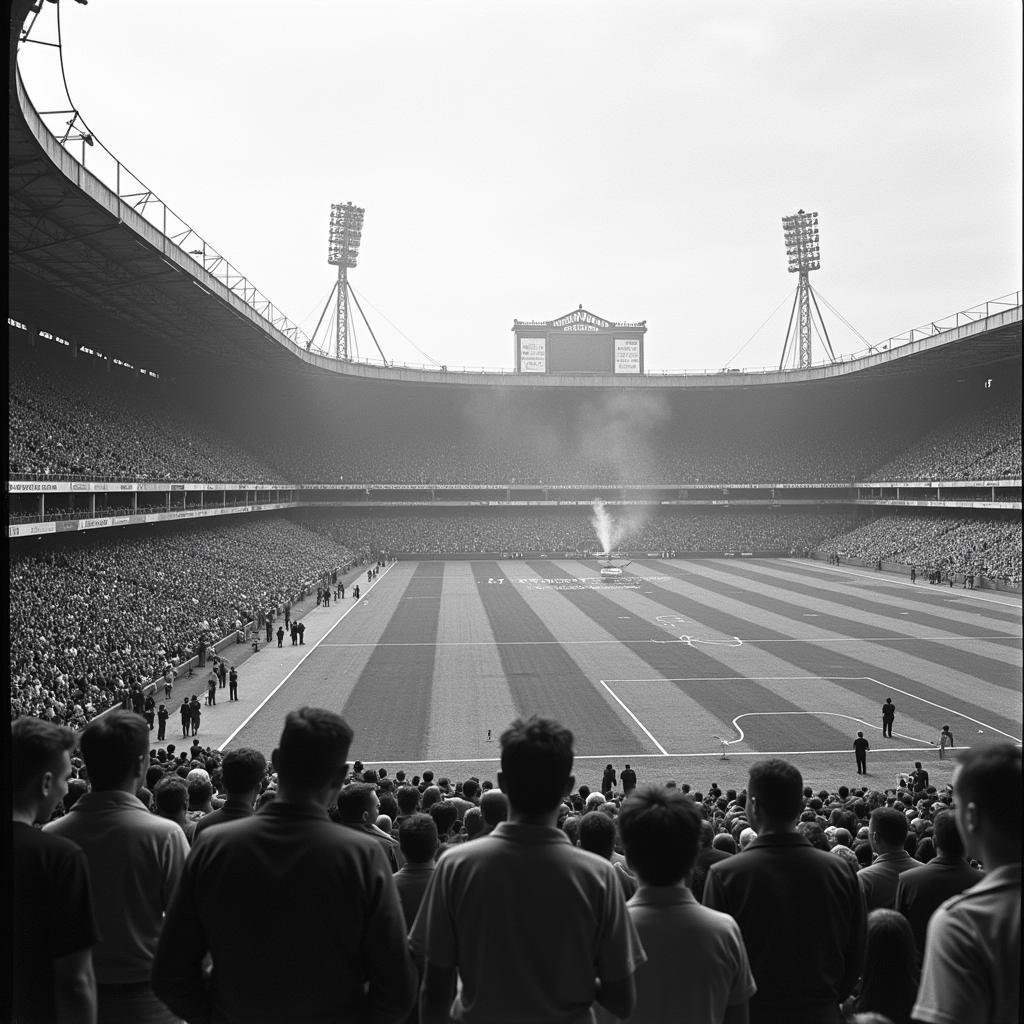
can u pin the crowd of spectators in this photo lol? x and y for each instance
(952, 544)
(91, 424)
(91, 619)
(983, 443)
(120, 425)
(571, 530)
(424, 829)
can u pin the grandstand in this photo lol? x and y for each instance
(189, 481)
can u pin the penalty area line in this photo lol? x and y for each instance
(647, 732)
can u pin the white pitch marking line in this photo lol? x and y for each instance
(259, 707)
(830, 714)
(900, 582)
(651, 640)
(959, 714)
(635, 719)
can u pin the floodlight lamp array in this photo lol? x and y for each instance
(345, 234)
(801, 234)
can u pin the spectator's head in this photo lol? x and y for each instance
(536, 765)
(887, 830)
(473, 822)
(200, 793)
(724, 842)
(417, 838)
(660, 831)
(470, 789)
(40, 767)
(242, 772)
(864, 854)
(171, 798)
(842, 837)
(77, 788)
(311, 757)
(116, 751)
(987, 796)
(594, 801)
(445, 814)
(845, 853)
(747, 836)
(408, 798)
(946, 835)
(431, 795)
(889, 977)
(775, 789)
(597, 834)
(494, 807)
(358, 804)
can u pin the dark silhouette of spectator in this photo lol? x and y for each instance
(888, 982)
(135, 860)
(800, 910)
(582, 944)
(972, 951)
(596, 834)
(243, 771)
(922, 890)
(418, 839)
(358, 806)
(340, 909)
(887, 831)
(712, 981)
(53, 931)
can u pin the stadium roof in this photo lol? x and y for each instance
(86, 265)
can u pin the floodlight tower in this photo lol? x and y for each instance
(801, 233)
(342, 251)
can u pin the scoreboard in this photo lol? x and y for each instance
(579, 342)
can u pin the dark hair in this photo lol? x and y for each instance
(170, 796)
(725, 842)
(242, 770)
(408, 798)
(597, 834)
(890, 974)
(36, 747)
(112, 746)
(199, 792)
(660, 831)
(946, 834)
(417, 838)
(778, 787)
(470, 788)
(865, 855)
(313, 748)
(990, 778)
(444, 815)
(890, 824)
(473, 822)
(388, 805)
(354, 801)
(536, 762)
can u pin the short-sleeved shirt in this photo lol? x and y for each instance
(53, 916)
(530, 921)
(697, 964)
(971, 971)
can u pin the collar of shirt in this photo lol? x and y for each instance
(900, 856)
(779, 839)
(107, 799)
(533, 835)
(278, 808)
(662, 895)
(417, 869)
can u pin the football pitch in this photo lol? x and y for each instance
(674, 666)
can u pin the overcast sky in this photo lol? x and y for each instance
(519, 159)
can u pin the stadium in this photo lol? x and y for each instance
(691, 571)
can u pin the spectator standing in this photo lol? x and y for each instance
(53, 930)
(566, 939)
(945, 740)
(597, 834)
(712, 981)
(888, 982)
(135, 859)
(211, 690)
(242, 771)
(358, 807)
(149, 710)
(233, 683)
(161, 716)
(280, 636)
(628, 780)
(196, 714)
(919, 778)
(417, 837)
(608, 779)
(186, 717)
(341, 909)
(887, 832)
(922, 890)
(706, 856)
(222, 673)
(971, 967)
(170, 801)
(302, 633)
(799, 909)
